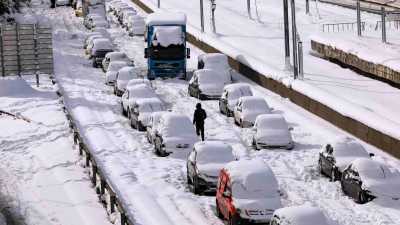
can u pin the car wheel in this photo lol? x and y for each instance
(362, 197)
(219, 214)
(233, 220)
(196, 189)
(333, 175)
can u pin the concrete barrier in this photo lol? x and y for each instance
(370, 135)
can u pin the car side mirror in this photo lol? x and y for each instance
(146, 53)
(227, 194)
(188, 53)
(371, 154)
(291, 128)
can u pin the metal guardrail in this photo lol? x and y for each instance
(25, 49)
(341, 27)
(391, 24)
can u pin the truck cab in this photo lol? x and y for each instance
(166, 51)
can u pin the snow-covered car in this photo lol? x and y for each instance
(88, 20)
(125, 18)
(139, 81)
(89, 40)
(272, 131)
(217, 62)
(98, 49)
(99, 23)
(207, 84)
(365, 179)
(132, 93)
(62, 2)
(122, 11)
(136, 25)
(230, 96)
(175, 133)
(248, 108)
(118, 7)
(115, 56)
(112, 70)
(152, 125)
(247, 192)
(205, 162)
(141, 111)
(124, 75)
(335, 157)
(298, 215)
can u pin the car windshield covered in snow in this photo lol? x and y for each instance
(141, 91)
(167, 43)
(177, 126)
(253, 104)
(238, 90)
(117, 56)
(214, 152)
(272, 121)
(101, 44)
(138, 81)
(349, 147)
(150, 105)
(216, 61)
(127, 73)
(116, 65)
(369, 169)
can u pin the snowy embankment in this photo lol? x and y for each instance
(154, 189)
(258, 43)
(40, 178)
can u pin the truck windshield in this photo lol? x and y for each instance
(172, 52)
(167, 43)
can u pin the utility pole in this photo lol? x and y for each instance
(358, 18)
(307, 7)
(383, 14)
(213, 7)
(202, 16)
(158, 3)
(294, 40)
(286, 30)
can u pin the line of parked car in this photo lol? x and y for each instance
(246, 191)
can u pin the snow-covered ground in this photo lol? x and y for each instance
(258, 42)
(145, 181)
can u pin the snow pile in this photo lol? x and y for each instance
(166, 36)
(17, 87)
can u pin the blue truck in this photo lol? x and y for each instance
(166, 51)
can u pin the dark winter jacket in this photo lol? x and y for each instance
(199, 117)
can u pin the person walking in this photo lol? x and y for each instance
(198, 120)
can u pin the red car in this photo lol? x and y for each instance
(247, 192)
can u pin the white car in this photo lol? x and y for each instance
(99, 23)
(125, 17)
(215, 61)
(272, 131)
(89, 41)
(335, 156)
(205, 162)
(248, 108)
(141, 110)
(136, 25)
(207, 84)
(152, 125)
(98, 49)
(248, 192)
(112, 70)
(115, 56)
(298, 215)
(124, 75)
(365, 179)
(230, 96)
(122, 11)
(139, 81)
(132, 93)
(175, 134)
(88, 20)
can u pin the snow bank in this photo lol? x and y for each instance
(17, 87)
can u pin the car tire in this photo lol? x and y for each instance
(362, 197)
(196, 189)
(233, 220)
(218, 211)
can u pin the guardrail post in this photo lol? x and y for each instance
(300, 52)
(383, 14)
(202, 16)
(358, 18)
(248, 9)
(2, 51)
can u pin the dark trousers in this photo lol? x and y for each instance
(200, 130)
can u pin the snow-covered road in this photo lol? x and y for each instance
(155, 188)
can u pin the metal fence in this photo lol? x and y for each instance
(341, 27)
(25, 49)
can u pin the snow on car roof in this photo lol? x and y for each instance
(254, 102)
(371, 169)
(115, 55)
(166, 19)
(138, 81)
(302, 215)
(116, 65)
(348, 147)
(213, 152)
(237, 86)
(102, 43)
(214, 60)
(150, 104)
(177, 125)
(166, 36)
(253, 174)
(271, 121)
(208, 76)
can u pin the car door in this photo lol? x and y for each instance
(355, 184)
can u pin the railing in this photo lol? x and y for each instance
(391, 24)
(341, 27)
